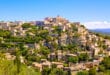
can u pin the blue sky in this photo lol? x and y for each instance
(75, 10)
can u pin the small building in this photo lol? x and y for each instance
(46, 64)
(4, 25)
(37, 66)
(58, 64)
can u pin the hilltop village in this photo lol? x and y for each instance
(53, 43)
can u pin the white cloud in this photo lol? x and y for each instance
(97, 25)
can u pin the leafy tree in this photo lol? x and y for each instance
(5, 33)
(92, 71)
(106, 62)
(58, 30)
(45, 51)
(56, 71)
(22, 50)
(46, 71)
(60, 72)
(73, 59)
(26, 25)
(10, 67)
(101, 68)
(74, 28)
(83, 57)
(17, 60)
(82, 73)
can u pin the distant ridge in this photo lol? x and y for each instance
(103, 31)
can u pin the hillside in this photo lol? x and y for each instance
(54, 46)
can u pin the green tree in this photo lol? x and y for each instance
(17, 60)
(92, 71)
(106, 62)
(45, 51)
(82, 73)
(73, 59)
(83, 57)
(101, 68)
(26, 25)
(46, 71)
(5, 33)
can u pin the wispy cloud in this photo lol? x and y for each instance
(97, 25)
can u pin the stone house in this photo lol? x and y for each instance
(4, 25)
(9, 56)
(52, 56)
(96, 51)
(59, 55)
(58, 64)
(37, 65)
(46, 64)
